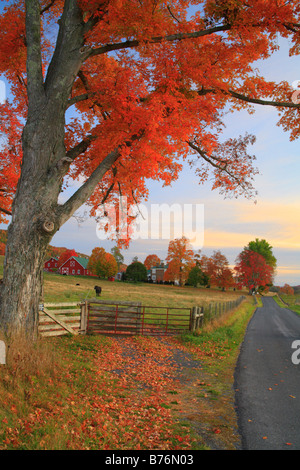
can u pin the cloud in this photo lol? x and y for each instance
(283, 215)
(277, 221)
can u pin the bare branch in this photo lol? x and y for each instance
(169, 38)
(114, 170)
(5, 211)
(172, 14)
(47, 7)
(224, 167)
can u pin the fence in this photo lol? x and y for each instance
(209, 312)
(57, 319)
(112, 317)
(125, 318)
(131, 318)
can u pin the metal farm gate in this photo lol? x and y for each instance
(131, 318)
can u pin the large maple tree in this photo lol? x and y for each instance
(112, 93)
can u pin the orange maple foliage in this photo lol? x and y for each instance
(286, 289)
(151, 261)
(102, 263)
(10, 158)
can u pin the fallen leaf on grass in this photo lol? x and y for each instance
(216, 430)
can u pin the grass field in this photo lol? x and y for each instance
(64, 288)
(59, 288)
(98, 392)
(291, 301)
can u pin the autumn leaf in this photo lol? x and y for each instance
(216, 430)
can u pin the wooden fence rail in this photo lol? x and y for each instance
(97, 316)
(57, 319)
(113, 317)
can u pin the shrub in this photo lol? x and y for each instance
(136, 272)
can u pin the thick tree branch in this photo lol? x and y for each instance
(278, 104)
(77, 99)
(242, 97)
(81, 147)
(89, 94)
(87, 189)
(35, 88)
(69, 52)
(61, 167)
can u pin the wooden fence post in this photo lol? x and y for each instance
(197, 318)
(193, 322)
(83, 317)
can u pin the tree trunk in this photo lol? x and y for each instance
(23, 277)
(28, 237)
(34, 222)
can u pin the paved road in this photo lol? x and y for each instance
(267, 382)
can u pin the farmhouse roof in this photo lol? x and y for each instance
(160, 266)
(82, 261)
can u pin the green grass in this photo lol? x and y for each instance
(58, 288)
(222, 338)
(64, 288)
(289, 301)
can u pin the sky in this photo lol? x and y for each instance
(227, 225)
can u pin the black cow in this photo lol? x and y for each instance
(98, 290)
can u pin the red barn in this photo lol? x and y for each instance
(51, 265)
(75, 266)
